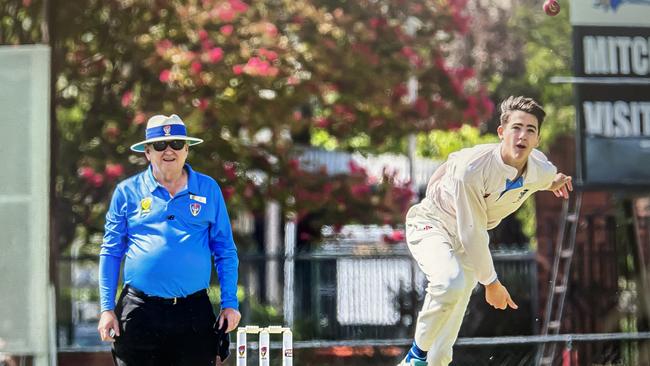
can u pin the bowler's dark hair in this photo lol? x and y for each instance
(524, 104)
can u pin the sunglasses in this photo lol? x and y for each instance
(162, 145)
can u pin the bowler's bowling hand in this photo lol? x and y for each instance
(497, 295)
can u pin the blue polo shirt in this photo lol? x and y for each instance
(167, 242)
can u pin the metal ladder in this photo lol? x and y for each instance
(566, 240)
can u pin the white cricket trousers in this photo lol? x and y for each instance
(450, 285)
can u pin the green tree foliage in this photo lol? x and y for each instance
(439, 144)
(21, 22)
(256, 80)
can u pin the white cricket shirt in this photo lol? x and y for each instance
(476, 193)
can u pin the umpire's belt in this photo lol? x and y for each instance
(163, 300)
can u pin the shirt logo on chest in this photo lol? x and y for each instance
(521, 195)
(145, 206)
(195, 208)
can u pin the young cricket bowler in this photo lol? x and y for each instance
(447, 232)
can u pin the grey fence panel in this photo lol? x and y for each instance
(375, 292)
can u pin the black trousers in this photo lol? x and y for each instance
(164, 332)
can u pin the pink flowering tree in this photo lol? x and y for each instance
(257, 80)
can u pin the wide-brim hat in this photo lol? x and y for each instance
(164, 128)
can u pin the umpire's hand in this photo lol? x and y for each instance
(108, 326)
(232, 315)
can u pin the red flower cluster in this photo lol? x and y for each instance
(91, 177)
(256, 67)
(112, 171)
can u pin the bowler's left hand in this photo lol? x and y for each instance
(232, 315)
(561, 186)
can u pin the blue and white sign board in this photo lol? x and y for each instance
(26, 297)
(612, 75)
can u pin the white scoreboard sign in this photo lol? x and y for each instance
(612, 75)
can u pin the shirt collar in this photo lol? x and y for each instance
(192, 181)
(511, 171)
(149, 179)
(529, 174)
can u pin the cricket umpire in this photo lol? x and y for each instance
(166, 223)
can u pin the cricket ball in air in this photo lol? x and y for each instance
(551, 7)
